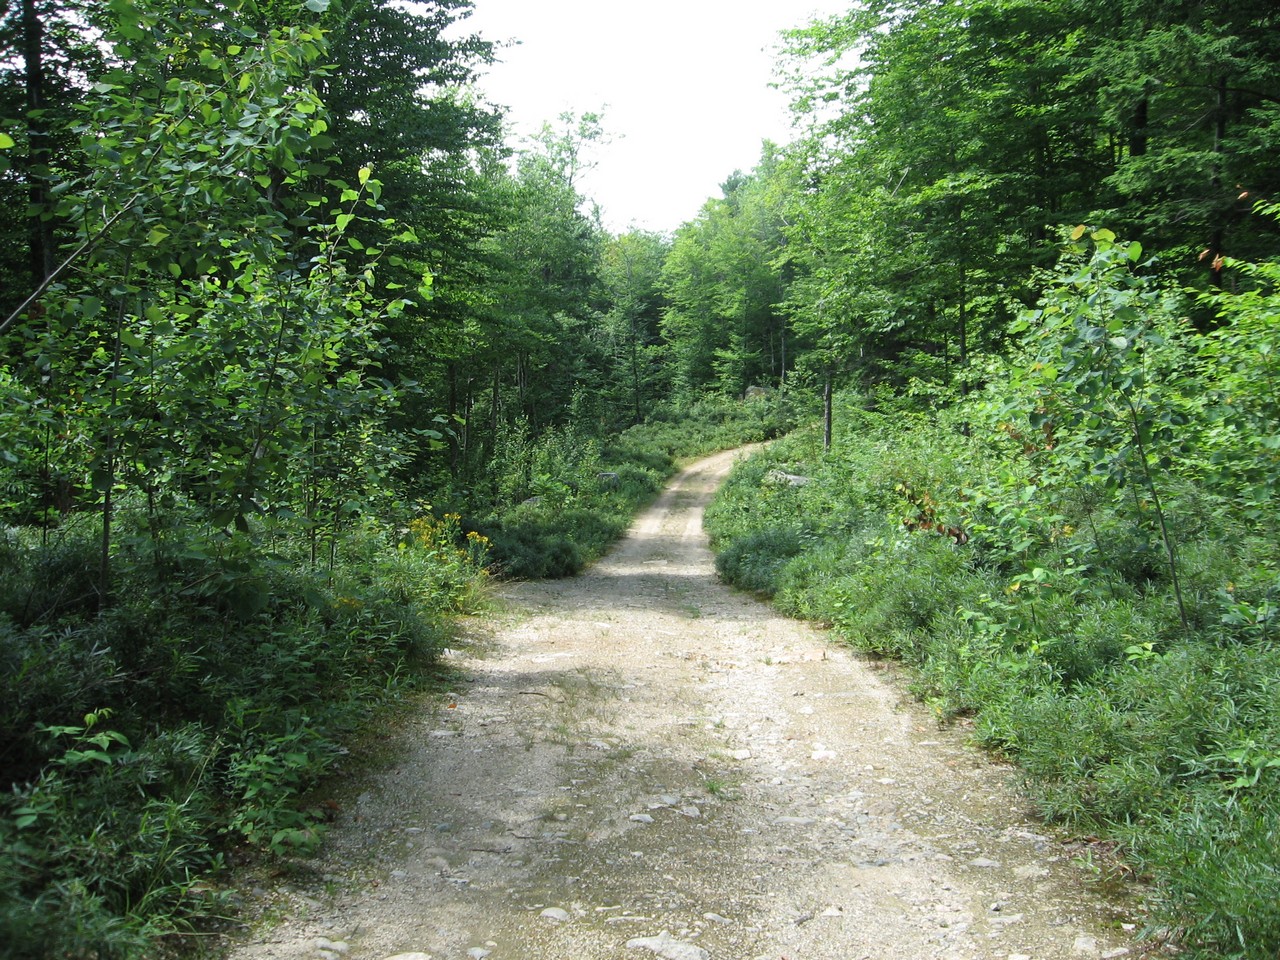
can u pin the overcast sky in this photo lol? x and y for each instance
(683, 86)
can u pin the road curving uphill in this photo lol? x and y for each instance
(640, 762)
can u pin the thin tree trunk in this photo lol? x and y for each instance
(635, 363)
(826, 413)
(493, 405)
(451, 375)
(109, 456)
(782, 342)
(1219, 228)
(1138, 136)
(1167, 538)
(41, 253)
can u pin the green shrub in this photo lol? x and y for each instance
(711, 424)
(1213, 879)
(754, 562)
(190, 713)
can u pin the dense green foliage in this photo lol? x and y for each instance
(1075, 557)
(207, 579)
(186, 720)
(950, 140)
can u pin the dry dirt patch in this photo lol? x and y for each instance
(640, 762)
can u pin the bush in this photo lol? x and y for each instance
(711, 424)
(753, 562)
(563, 499)
(188, 716)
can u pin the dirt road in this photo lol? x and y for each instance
(641, 763)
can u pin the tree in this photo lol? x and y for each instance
(960, 138)
(1190, 96)
(508, 338)
(723, 329)
(631, 277)
(399, 100)
(550, 251)
(47, 55)
(205, 350)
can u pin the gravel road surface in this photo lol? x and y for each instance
(640, 762)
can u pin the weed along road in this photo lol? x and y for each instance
(640, 762)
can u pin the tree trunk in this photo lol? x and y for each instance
(782, 342)
(42, 250)
(962, 334)
(451, 404)
(635, 363)
(1218, 239)
(826, 413)
(1141, 120)
(494, 405)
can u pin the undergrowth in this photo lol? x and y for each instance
(146, 740)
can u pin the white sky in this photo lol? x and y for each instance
(683, 86)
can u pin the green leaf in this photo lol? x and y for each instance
(317, 6)
(365, 173)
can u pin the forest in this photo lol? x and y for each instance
(297, 351)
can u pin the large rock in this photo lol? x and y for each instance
(668, 947)
(783, 479)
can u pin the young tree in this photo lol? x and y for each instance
(204, 349)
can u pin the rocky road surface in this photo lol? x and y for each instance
(640, 763)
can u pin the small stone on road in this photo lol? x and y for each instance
(668, 947)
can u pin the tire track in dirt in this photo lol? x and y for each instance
(640, 762)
